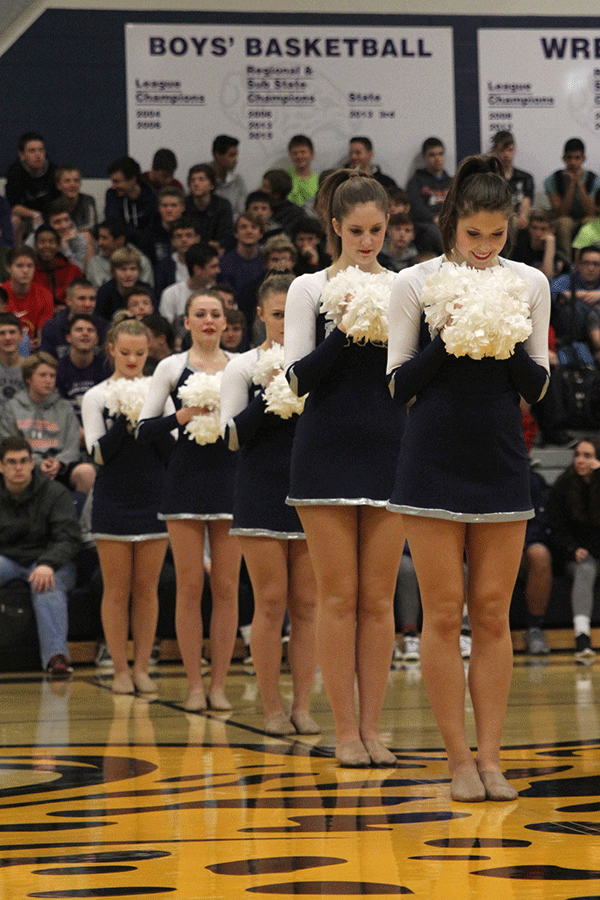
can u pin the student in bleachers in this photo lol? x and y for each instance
(11, 361)
(243, 265)
(571, 193)
(520, 182)
(211, 214)
(173, 268)
(132, 200)
(112, 235)
(84, 365)
(229, 184)
(277, 183)
(171, 207)
(30, 184)
(360, 156)
(81, 207)
(162, 172)
(574, 519)
(80, 298)
(31, 302)
(305, 182)
(130, 539)
(125, 266)
(52, 268)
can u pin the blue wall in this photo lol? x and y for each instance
(65, 77)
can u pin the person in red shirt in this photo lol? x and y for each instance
(52, 269)
(32, 303)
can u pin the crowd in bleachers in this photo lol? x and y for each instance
(66, 271)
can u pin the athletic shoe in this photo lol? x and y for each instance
(155, 654)
(397, 654)
(59, 667)
(103, 658)
(583, 648)
(536, 643)
(464, 643)
(411, 648)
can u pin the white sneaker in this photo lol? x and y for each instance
(411, 648)
(465, 645)
(103, 659)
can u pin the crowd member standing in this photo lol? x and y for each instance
(198, 495)
(342, 471)
(463, 476)
(130, 539)
(270, 533)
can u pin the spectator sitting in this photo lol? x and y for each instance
(112, 235)
(277, 183)
(74, 245)
(11, 373)
(399, 201)
(80, 298)
(259, 203)
(161, 341)
(125, 265)
(399, 250)
(233, 338)
(48, 422)
(139, 302)
(52, 269)
(308, 238)
(360, 156)
(519, 182)
(590, 232)
(84, 365)
(30, 301)
(173, 268)
(228, 184)
(243, 265)
(278, 255)
(305, 183)
(226, 293)
(30, 184)
(574, 520)
(171, 206)
(535, 245)
(202, 261)
(39, 539)
(24, 346)
(427, 191)
(81, 207)
(572, 296)
(131, 200)
(211, 214)
(571, 192)
(162, 172)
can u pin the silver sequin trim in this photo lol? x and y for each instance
(518, 516)
(165, 517)
(131, 538)
(264, 532)
(336, 501)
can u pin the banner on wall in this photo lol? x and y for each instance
(544, 86)
(186, 84)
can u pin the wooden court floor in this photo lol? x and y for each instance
(106, 796)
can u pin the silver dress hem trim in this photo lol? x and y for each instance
(264, 532)
(516, 516)
(208, 517)
(336, 501)
(130, 538)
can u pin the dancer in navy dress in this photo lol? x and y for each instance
(343, 462)
(463, 476)
(130, 540)
(271, 537)
(198, 494)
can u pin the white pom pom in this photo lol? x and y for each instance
(280, 399)
(360, 301)
(126, 396)
(268, 363)
(487, 309)
(203, 390)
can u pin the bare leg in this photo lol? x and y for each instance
(538, 579)
(267, 564)
(332, 535)
(493, 554)
(187, 543)
(226, 557)
(148, 557)
(302, 604)
(381, 540)
(116, 564)
(442, 591)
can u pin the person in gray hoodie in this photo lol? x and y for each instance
(39, 539)
(48, 422)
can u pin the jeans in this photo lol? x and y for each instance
(50, 607)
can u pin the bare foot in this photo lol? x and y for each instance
(380, 755)
(467, 787)
(497, 787)
(352, 755)
(196, 701)
(304, 723)
(279, 724)
(218, 701)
